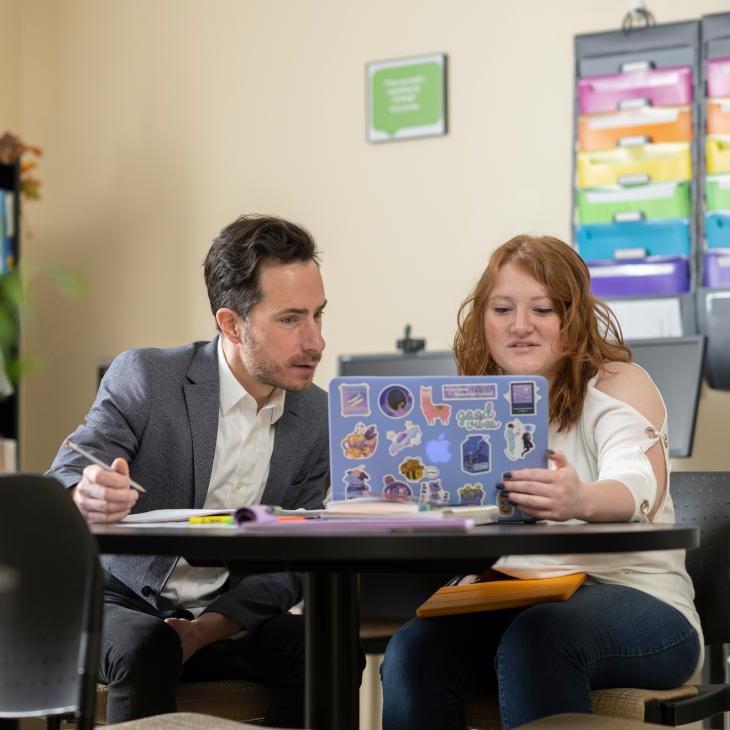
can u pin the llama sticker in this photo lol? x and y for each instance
(433, 412)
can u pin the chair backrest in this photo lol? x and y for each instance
(703, 499)
(49, 638)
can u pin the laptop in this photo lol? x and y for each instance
(435, 440)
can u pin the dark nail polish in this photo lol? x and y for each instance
(507, 475)
(499, 485)
(505, 495)
(549, 452)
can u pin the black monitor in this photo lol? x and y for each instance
(438, 362)
(675, 364)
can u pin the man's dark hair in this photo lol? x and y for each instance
(233, 263)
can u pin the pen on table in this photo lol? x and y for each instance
(94, 460)
(207, 519)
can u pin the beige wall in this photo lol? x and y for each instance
(164, 119)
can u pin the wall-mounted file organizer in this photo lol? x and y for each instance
(636, 126)
(713, 297)
(635, 155)
(619, 240)
(618, 203)
(718, 116)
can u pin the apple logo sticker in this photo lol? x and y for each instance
(439, 450)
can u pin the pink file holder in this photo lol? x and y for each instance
(657, 87)
(718, 77)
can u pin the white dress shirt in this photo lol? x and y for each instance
(243, 451)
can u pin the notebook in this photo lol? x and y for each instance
(435, 440)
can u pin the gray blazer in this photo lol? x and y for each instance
(158, 409)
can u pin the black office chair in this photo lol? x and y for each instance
(702, 499)
(49, 640)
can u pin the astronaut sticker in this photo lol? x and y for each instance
(475, 419)
(396, 490)
(354, 399)
(433, 412)
(476, 454)
(519, 439)
(432, 492)
(361, 442)
(471, 494)
(400, 440)
(357, 483)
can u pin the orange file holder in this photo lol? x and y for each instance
(718, 155)
(648, 124)
(494, 595)
(634, 165)
(718, 116)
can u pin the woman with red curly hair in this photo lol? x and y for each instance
(633, 622)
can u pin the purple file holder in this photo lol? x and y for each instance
(652, 276)
(659, 87)
(717, 269)
(718, 77)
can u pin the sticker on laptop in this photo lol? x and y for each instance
(413, 469)
(405, 439)
(361, 442)
(438, 450)
(433, 412)
(476, 454)
(506, 509)
(478, 419)
(395, 401)
(357, 483)
(522, 398)
(433, 492)
(468, 391)
(354, 399)
(471, 494)
(519, 439)
(396, 489)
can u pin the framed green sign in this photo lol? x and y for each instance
(406, 98)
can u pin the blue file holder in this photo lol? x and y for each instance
(603, 241)
(717, 230)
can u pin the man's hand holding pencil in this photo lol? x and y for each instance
(105, 493)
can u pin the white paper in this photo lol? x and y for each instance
(646, 318)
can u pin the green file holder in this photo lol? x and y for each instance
(717, 192)
(616, 203)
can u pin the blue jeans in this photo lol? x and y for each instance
(542, 660)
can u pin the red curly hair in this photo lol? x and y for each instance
(590, 335)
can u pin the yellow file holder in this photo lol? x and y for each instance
(718, 155)
(631, 165)
(494, 595)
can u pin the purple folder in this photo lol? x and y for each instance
(351, 526)
(652, 276)
(718, 77)
(717, 269)
(659, 87)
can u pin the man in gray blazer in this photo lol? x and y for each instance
(217, 424)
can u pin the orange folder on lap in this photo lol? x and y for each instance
(492, 595)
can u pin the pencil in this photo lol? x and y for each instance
(94, 460)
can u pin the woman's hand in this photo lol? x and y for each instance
(548, 494)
